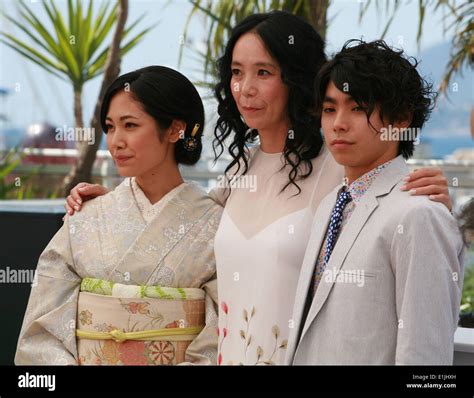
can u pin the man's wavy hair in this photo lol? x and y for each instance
(375, 75)
(299, 60)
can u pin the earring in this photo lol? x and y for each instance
(190, 143)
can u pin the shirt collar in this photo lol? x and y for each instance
(360, 186)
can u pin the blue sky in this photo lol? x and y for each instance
(44, 97)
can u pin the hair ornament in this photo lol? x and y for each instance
(190, 143)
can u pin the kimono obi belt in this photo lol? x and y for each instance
(136, 325)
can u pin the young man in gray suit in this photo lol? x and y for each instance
(382, 275)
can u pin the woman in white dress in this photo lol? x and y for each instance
(273, 189)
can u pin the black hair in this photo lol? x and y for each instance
(374, 74)
(166, 95)
(299, 50)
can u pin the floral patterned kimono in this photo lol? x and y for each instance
(125, 282)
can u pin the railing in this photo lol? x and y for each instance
(104, 166)
(460, 173)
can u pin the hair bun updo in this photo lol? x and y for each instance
(166, 95)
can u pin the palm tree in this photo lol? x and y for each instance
(74, 51)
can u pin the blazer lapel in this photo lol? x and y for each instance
(343, 245)
(382, 185)
(318, 231)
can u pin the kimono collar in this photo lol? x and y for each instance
(148, 210)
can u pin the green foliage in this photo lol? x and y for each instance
(16, 189)
(467, 300)
(9, 162)
(73, 50)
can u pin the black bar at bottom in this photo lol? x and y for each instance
(436, 380)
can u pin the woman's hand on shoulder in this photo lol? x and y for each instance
(429, 181)
(81, 193)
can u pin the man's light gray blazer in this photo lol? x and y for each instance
(405, 309)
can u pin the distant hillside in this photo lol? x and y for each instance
(451, 118)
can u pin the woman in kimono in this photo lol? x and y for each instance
(273, 189)
(131, 279)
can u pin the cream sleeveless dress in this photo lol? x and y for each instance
(259, 249)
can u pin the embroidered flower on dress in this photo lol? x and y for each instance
(105, 328)
(172, 325)
(225, 308)
(85, 317)
(111, 353)
(161, 352)
(132, 352)
(134, 307)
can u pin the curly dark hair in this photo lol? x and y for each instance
(299, 63)
(374, 74)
